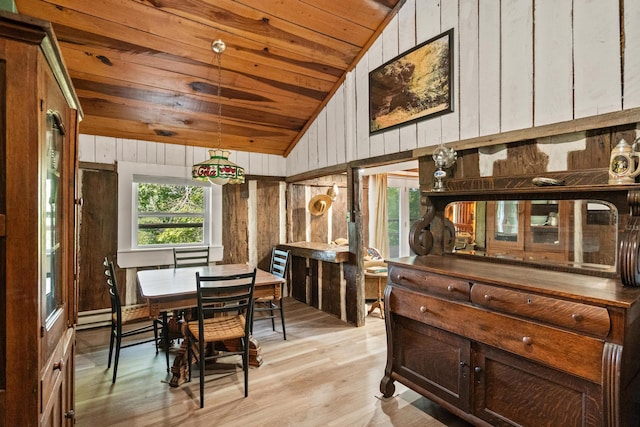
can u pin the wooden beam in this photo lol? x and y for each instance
(594, 122)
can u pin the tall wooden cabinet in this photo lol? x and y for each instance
(39, 114)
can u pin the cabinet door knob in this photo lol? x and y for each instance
(577, 317)
(69, 414)
(527, 340)
(477, 369)
(58, 365)
(423, 309)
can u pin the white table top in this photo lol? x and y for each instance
(182, 281)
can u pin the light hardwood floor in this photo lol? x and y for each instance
(327, 373)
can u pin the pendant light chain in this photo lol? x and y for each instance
(219, 98)
(218, 169)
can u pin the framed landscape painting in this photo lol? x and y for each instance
(412, 86)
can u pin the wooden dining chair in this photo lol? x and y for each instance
(182, 258)
(225, 309)
(270, 305)
(191, 257)
(120, 316)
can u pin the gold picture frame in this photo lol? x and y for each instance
(412, 86)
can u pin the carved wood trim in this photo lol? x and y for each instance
(420, 236)
(611, 366)
(630, 243)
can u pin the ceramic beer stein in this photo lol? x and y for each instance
(625, 164)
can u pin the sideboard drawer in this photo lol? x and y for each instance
(445, 286)
(580, 317)
(546, 344)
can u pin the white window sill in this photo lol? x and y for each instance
(157, 256)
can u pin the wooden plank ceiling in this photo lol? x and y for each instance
(144, 69)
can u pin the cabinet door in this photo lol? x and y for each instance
(547, 222)
(434, 360)
(510, 391)
(57, 246)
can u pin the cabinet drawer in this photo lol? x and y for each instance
(567, 314)
(549, 345)
(431, 283)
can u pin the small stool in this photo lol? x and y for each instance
(379, 303)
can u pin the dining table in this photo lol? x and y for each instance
(172, 289)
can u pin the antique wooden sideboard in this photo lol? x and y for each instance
(501, 341)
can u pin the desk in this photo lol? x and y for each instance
(171, 289)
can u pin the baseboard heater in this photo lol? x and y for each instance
(94, 318)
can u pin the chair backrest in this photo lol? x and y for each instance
(279, 262)
(218, 295)
(114, 296)
(191, 257)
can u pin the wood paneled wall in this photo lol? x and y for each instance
(517, 65)
(103, 149)
(303, 227)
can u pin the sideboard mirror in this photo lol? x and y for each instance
(580, 233)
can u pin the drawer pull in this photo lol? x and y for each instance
(487, 297)
(451, 288)
(527, 340)
(423, 309)
(400, 277)
(577, 317)
(58, 366)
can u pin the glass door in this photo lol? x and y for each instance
(51, 223)
(505, 229)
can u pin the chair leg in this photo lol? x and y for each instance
(113, 337)
(201, 367)
(273, 320)
(284, 331)
(245, 366)
(155, 334)
(117, 357)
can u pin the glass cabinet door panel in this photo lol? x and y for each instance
(52, 221)
(544, 222)
(507, 220)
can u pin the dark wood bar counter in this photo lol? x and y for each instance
(326, 252)
(319, 275)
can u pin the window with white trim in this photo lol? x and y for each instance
(130, 253)
(170, 212)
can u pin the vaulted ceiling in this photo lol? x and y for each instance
(144, 69)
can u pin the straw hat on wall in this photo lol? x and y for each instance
(319, 204)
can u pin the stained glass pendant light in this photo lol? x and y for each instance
(218, 169)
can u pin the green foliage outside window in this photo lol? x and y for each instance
(170, 214)
(393, 219)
